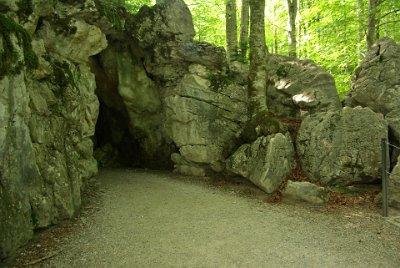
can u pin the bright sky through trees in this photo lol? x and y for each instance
(330, 32)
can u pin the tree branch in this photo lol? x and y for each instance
(387, 22)
(387, 14)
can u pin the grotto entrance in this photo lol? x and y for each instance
(127, 135)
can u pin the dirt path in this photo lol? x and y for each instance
(150, 219)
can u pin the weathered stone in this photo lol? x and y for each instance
(166, 20)
(305, 191)
(18, 172)
(376, 83)
(299, 87)
(266, 162)
(203, 116)
(342, 147)
(47, 119)
(69, 44)
(239, 161)
(394, 186)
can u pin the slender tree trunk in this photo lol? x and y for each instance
(276, 48)
(372, 23)
(244, 29)
(231, 30)
(292, 10)
(258, 53)
(360, 11)
(275, 32)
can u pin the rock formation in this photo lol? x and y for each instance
(299, 87)
(48, 114)
(142, 93)
(342, 147)
(266, 162)
(376, 84)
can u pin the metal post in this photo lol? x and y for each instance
(384, 177)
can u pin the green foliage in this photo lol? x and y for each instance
(332, 33)
(219, 81)
(25, 8)
(115, 10)
(112, 9)
(133, 6)
(10, 63)
(65, 76)
(209, 20)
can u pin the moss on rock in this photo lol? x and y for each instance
(9, 60)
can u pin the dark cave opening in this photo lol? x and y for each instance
(116, 142)
(113, 144)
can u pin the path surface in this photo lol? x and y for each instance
(150, 219)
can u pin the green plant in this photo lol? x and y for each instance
(25, 8)
(218, 81)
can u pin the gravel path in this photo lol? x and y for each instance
(152, 219)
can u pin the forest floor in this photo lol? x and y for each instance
(138, 218)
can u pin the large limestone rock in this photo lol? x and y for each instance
(376, 83)
(342, 147)
(47, 119)
(165, 31)
(394, 187)
(298, 87)
(266, 162)
(305, 191)
(204, 116)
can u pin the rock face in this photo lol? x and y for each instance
(394, 187)
(376, 84)
(305, 191)
(204, 117)
(203, 107)
(342, 147)
(266, 162)
(47, 119)
(165, 100)
(299, 87)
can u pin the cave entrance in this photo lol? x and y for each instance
(124, 138)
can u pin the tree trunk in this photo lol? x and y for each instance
(231, 30)
(372, 23)
(360, 10)
(275, 50)
(257, 73)
(292, 10)
(244, 29)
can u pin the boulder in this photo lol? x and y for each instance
(394, 187)
(376, 83)
(298, 87)
(342, 147)
(305, 191)
(204, 115)
(68, 43)
(266, 162)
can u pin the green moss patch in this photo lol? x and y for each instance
(10, 63)
(25, 8)
(219, 81)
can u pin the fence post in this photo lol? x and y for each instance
(384, 146)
